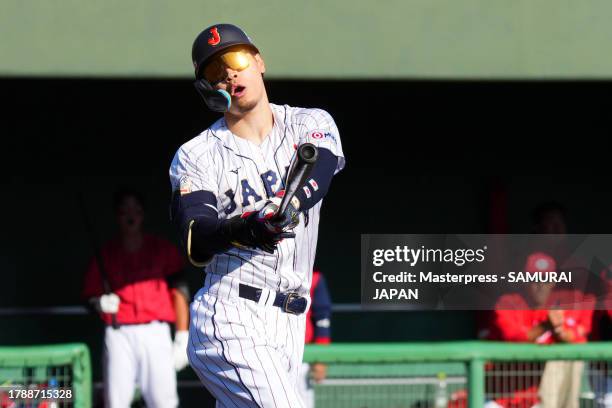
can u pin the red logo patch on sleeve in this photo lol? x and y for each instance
(317, 134)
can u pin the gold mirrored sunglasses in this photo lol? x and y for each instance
(236, 58)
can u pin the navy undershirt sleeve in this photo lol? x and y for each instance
(319, 180)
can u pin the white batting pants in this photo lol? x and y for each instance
(246, 354)
(139, 354)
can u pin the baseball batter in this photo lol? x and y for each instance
(246, 335)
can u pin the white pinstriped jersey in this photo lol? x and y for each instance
(243, 175)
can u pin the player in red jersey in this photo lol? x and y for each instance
(146, 295)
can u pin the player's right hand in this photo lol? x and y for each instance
(259, 232)
(108, 303)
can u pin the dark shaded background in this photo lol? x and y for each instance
(422, 157)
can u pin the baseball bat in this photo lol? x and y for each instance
(301, 166)
(97, 252)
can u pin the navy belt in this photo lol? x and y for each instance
(289, 302)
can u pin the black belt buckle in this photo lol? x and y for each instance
(289, 297)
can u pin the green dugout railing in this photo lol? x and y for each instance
(470, 357)
(69, 364)
(65, 366)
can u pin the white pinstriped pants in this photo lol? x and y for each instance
(246, 354)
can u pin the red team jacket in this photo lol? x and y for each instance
(513, 318)
(511, 321)
(138, 278)
(318, 316)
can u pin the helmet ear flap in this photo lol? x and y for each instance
(217, 100)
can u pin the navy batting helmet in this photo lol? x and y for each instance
(214, 39)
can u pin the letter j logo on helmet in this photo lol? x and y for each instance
(216, 38)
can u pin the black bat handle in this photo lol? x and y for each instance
(308, 153)
(306, 156)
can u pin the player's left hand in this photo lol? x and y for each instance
(179, 349)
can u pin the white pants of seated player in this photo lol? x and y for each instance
(246, 354)
(139, 355)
